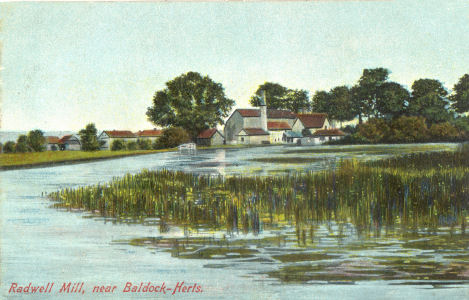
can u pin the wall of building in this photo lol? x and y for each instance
(233, 126)
(276, 136)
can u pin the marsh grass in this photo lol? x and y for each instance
(368, 195)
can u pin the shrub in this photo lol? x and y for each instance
(408, 130)
(22, 144)
(144, 144)
(172, 137)
(118, 145)
(375, 130)
(444, 132)
(132, 145)
(9, 147)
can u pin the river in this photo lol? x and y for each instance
(40, 244)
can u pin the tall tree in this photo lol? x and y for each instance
(364, 94)
(88, 138)
(391, 100)
(321, 102)
(22, 144)
(36, 140)
(460, 97)
(275, 95)
(191, 101)
(297, 101)
(429, 100)
(340, 104)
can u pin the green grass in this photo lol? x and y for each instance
(35, 158)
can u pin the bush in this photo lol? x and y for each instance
(144, 144)
(444, 132)
(9, 147)
(118, 145)
(408, 130)
(375, 130)
(22, 144)
(350, 129)
(132, 145)
(172, 137)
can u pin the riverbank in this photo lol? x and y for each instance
(13, 161)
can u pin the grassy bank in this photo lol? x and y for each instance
(403, 191)
(47, 158)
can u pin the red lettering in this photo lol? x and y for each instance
(13, 287)
(128, 285)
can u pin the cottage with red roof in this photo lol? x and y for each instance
(149, 134)
(107, 137)
(52, 143)
(70, 142)
(210, 137)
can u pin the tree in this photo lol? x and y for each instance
(364, 94)
(429, 101)
(275, 95)
(118, 145)
(172, 137)
(340, 104)
(22, 144)
(297, 101)
(374, 130)
(460, 98)
(36, 140)
(443, 132)
(391, 100)
(9, 147)
(408, 129)
(88, 138)
(320, 102)
(190, 101)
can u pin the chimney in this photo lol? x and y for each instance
(263, 109)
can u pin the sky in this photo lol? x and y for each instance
(64, 65)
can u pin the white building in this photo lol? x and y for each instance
(107, 137)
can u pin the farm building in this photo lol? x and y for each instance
(253, 136)
(52, 143)
(258, 118)
(307, 124)
(108, 136)
(70, 142)
(149, 134)
(210, 137)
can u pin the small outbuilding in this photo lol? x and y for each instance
(253, 136)
(108, 136)
(52, 143)
(210, 137)
(70, 142)
(149, 134)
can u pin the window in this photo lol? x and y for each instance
(242, 139)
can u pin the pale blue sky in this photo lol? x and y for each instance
(67, 64)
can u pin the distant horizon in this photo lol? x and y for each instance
(65, 65)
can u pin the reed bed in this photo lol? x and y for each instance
(369, 195)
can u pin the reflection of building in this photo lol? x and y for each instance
(107, 137)
(70, 142)
(52, 143)
(150, 134)
(210, 137)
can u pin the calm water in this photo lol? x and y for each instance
(40, 244)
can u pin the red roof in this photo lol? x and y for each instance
(120, 133)
(207, 133)
(329, 132)
(278, 126)
(150, 133)
(314, 120)
(255, 131)
(52, 139)
(251, 112)
(280, 114)
(65, 138)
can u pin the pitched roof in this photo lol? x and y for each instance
(149, 133)
(255, 131)
(52, 139)
(120, 133)
(280, 114)
(249, 112)
(329, 132)
(313, 120)
(207, 133)
(278, 125)
(65, 138)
